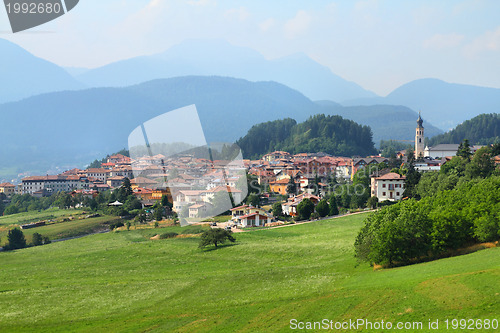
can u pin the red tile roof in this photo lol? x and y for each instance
(391, 176)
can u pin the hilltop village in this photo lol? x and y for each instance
(191, 184)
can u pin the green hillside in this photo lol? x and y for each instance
(329, 134)
(126, 282)
(483, 129)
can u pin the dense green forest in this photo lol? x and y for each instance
(329, 134)
(483, 129)
(459, 206)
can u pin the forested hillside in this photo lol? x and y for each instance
(329, 134)
(483, 129)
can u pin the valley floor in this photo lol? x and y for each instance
(123, 281)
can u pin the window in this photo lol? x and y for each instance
(383, 193)
(383, 185)
(397, 193)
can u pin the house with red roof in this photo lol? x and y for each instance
(389, 186)
(7, 188)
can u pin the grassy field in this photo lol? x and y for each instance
(128, 283)
(27, 217)
(62, 227)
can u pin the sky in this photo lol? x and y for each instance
(378, 44)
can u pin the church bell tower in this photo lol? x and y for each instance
(419, 138)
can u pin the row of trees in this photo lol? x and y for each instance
(16, 240)
(306, 208)
(414, 230)
(449, 209)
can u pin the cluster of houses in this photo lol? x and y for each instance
(192, 184)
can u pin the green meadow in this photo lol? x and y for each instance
(61, 227)
(125, 282)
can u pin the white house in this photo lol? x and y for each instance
(253, 220)
(388, 187)
(443, 150)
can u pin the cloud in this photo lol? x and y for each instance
(267, 24)
(487, 42)
(240, 14)
(297, 25)
(443, 41)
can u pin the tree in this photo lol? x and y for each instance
(164, 201)
(481, 165)
(291, 188)
(158, 212)
(63, 201)
(127, 187)
(2, 205)
(316, 185)
(215, 237)
(37, 239)
(322, 208)
(16, 239)
(305, 209)
(372, 202)
(141, 217)
(334, 210)
(464, 150)
(253, 199)
(46, 240)
(132, 203)
(412, 177)
(11, 209)
(277, 210)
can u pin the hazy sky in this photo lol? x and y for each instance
(377, 44)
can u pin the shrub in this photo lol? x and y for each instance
(37, 239)
(115, 225)
(168, 235)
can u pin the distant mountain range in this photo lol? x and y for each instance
(443, 104)
(74, 127)
(218, 57)
(23, 75)
(388, 122)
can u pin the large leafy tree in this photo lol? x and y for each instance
(16, 239)
(216, 236)
(277, 209)
(322, 208)
(481, 164)
(305, 208)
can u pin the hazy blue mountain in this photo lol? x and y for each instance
(23, 75)
(483, 129)
(74, 71)
(444, 104)
(72, 128)
(388, 122)
(218, 57)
